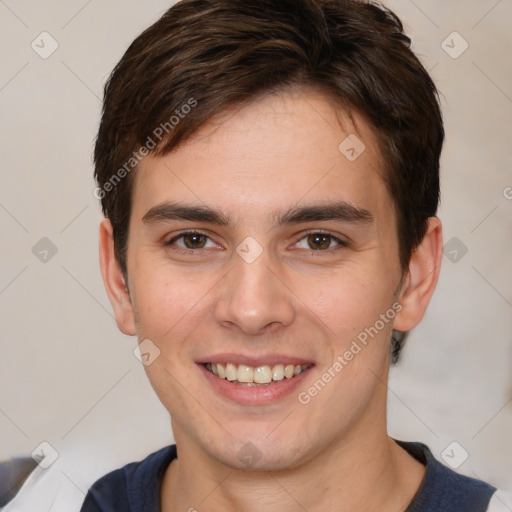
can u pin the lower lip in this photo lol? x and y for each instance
(254, 395)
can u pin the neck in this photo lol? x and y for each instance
(366, 470)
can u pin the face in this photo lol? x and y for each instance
(260, 249)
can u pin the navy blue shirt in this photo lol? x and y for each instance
(136, 486)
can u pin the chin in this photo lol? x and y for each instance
(258, 455)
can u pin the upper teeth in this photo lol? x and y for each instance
(255, 375)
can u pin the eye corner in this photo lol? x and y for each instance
(339, 242)
(172, 241)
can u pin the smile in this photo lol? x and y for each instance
(255, 376)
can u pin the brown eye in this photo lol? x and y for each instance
(191, 240)
(194, 240)
(319, 241)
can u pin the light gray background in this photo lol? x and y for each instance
(69, 377)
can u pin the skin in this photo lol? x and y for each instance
(271, 155)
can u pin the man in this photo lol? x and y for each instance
(269, 174)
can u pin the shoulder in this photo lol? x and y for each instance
(134, 487)
(445, 489)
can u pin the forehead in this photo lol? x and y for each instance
(279, 150)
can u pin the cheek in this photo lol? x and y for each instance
(166, 306)
(348, 305)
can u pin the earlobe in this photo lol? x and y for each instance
(113, 280)
(421, 279)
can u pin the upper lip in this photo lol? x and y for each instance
(254, 361)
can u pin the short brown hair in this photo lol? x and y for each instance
(209, 55)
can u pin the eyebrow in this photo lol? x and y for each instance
(174, 211)
(340, 210)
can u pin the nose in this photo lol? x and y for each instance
(254, 298)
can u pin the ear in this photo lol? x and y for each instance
(421, 278)
(113, 280)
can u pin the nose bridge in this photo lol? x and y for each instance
(252, 297)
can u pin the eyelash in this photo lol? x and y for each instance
(341, 243)
(181, 235)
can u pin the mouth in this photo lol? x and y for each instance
(264, 375)
(250, 381)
